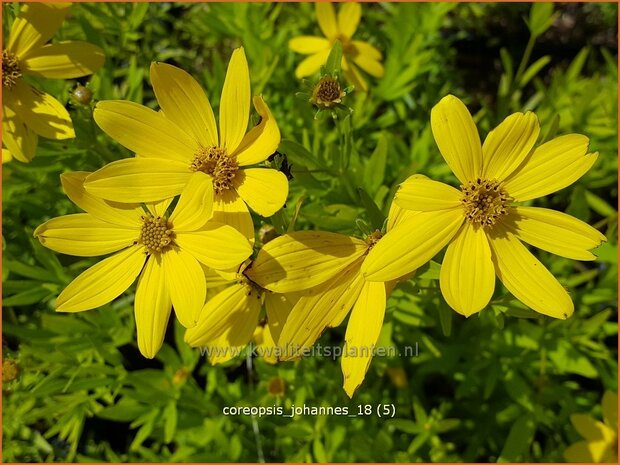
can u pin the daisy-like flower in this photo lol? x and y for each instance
(183, 139)
(481, 222)
(166, 252)
(354, 52)
(26, 111)
(230, 319)
(325, 268)
(600, 443)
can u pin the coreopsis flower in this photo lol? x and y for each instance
(481, 222)
(230, 319)
(324, 268)
(28, 112)
(183, 139)
(600, 443)
(164, 252)
(355, 52)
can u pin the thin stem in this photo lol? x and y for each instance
(255, 428)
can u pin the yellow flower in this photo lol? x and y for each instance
(182, 139)
(166, 252)
(229, 320)
(355, 52)
(28, 112)
(326, 266)
(482, 226)
(601, 439)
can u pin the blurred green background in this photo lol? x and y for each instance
(499, 386)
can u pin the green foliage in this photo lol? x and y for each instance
(499, 386)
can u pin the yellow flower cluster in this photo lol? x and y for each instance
(27, 112)
(194, 256)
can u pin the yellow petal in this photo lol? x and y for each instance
(579, 453)
(145, 131)
(527, 278)
(195, 206)
(235, 102)
(467, 276)
(40, 112)
(186, 283)
(457, 138)
(554, 232)
(84, 235)
(419, 193)
(411, 244)
(508, 144)
(35, 25)
(349, 16)
(103, 282)
(6, 156)
(233, 340)
(265, 190)
(317, 310)
(369, 50)
(397, 215)
(372, 67)
(122, 214)
(229, 208)
(311, 64)
(362, 334)
(64, 60)
(262, 140)
(353, 76)
(234, 311)
(158, 208)
(303, 259)
(551, 167)
(218, 246)
(308, 44)
(326, 17)
(265, 345)
(591, 429)
(609, 405)
(138, 180)
(278, 307)
(17, 136)
(184, 102)
(152, 307)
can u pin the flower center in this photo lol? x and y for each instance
(485, 202)
(327, 92)
(215, 162)
(156, 234)
(373, 238)
(11, 72)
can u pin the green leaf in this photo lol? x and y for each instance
(519, 440)
(533, 70)
(170, 421)
(374, 172)
(127, 409)
(599, 205)
(375, 216)
(445, 317)
(332, 66)
(541, 18)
